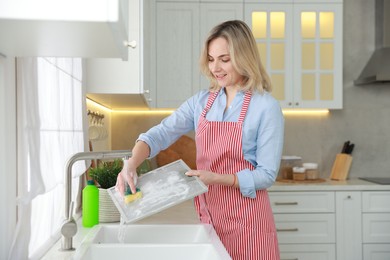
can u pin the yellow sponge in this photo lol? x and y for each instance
(129, 197)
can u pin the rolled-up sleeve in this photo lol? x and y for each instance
(268, 151)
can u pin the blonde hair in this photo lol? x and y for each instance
(244, 55)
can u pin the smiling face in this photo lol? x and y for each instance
(220, 63)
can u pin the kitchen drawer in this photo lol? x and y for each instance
(376, 201)
(305, 228)
(376, 228)
(302, 202)
(307, 252)
(376, 252)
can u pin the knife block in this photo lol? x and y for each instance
(341, 167)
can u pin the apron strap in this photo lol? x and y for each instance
(210, 101)
(244, 109)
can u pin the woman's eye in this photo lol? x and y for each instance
(225, 60)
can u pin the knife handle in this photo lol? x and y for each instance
(345, 147)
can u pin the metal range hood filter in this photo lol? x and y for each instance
(377, 69)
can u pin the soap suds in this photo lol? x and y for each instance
(161, 189)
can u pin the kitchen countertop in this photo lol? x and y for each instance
(330, 185)
(184, 213)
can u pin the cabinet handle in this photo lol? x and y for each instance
(146, 91)
(131, 44)
(289, 103)
(297, 103)
(286, 229)
(285, 203)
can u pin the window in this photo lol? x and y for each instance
(50, 119)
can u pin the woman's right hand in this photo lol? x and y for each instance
(128, 175)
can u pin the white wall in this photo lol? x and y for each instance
(7, 154)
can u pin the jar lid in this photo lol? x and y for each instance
(310, 166)
(299, 169)
(291, 157)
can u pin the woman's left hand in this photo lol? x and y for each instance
(206, 177)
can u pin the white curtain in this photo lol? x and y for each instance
(50, 119)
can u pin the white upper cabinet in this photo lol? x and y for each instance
(175, 51)
(58, 28)
(300, 43)
(177, 32)
(114, 75)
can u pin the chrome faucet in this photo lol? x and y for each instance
(69, 227)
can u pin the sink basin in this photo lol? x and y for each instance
(193, 241)
(152, 251)
(157, 234)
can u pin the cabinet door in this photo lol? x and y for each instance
(177, 53)
(305, 228)
(307, 252)
(116, 76)
(213, 14)
(318, 55)
(376, 201)
(376, 252)
(349, 225)
(376, 227)
(64, 28)
(271, 25)
(302, 202)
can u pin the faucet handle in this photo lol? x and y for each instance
(69, 227)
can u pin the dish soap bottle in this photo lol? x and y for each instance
(90, 205)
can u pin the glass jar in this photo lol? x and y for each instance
(311, 170)
(299, 173)
(286, 166)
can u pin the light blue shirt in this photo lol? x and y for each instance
(263, 132)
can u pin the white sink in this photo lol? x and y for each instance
(151, 251)
(196, 241)
(157, 234)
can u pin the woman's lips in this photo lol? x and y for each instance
(219, 77)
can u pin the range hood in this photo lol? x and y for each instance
(377, 69)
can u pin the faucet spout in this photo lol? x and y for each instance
(67, 240)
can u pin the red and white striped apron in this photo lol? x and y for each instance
(245, 226)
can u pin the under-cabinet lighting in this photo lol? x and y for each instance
(90, 101)
(144, 112)
(134, 112)
(303, 112)
(298, 112)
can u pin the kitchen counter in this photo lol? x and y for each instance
(330, 185)
(184, 213)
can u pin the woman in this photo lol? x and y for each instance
(239, 138)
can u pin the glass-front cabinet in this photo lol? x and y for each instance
(301, 47)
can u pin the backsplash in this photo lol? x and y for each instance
(364, 120)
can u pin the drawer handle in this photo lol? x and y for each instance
(285, 203)
(286, 229)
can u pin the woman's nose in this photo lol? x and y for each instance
(215, 66)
